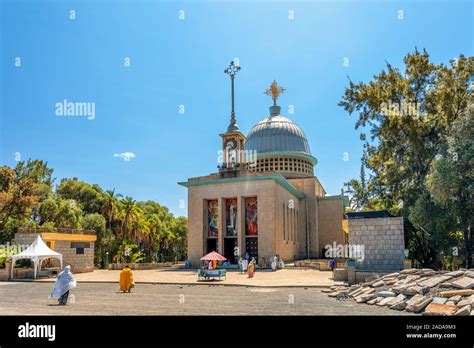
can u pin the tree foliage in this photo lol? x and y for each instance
(27, 199)
(419, 152)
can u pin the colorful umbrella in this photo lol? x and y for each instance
(213, 256)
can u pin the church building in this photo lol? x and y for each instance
(265, 199)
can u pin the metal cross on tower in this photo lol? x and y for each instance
(232, 71)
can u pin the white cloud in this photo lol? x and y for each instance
(126, 156)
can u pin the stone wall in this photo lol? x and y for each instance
(288, 225)
(330, 215)
(383, 241)
(79, 263)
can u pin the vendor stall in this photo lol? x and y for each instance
(211, 272)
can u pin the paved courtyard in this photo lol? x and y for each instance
(31, 298)
(293, 277)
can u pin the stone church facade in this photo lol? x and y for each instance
(265, 200)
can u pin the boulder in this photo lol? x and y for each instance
(386, 294)
(409, 271)
(466, 310)
(384, 302)
(456, 292)
(395, 300)
(390, 281)
(433, 281)
(440, 309)
(372, 278)
(469, 273)
(440, 300)
(446, 285)
(378, 284)
(399, 306)
(416, 289)
(391, 275)
(464, 283)
(455, 299)
(357, 292)
(417, 303)
(455, 273)
(466, 301)
(451, 303)
(375, 300)
(365, 297)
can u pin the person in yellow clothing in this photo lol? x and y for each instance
(126, 279)
(251, 269)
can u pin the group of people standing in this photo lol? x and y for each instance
(276, 263)
(250, 267)
(247, 266)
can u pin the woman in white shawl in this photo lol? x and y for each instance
(64, 283)
(274, 263)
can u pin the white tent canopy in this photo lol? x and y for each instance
(37, 252)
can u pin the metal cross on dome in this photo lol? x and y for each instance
(274, 91)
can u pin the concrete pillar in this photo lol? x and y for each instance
(221, 225)
(241, 224)
(8, 268)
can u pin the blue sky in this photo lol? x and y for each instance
(177, 62)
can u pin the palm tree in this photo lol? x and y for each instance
(111, 206)
(131, 216)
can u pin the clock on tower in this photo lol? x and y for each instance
(233, 139)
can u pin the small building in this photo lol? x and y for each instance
(382, 238)
(76, 246)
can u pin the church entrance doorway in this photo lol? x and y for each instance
(230, 243)
(211, 245)
(251, 247)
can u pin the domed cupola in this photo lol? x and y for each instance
(280, 144)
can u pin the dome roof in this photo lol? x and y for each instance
(277, 134)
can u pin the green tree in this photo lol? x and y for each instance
(21, 188)
(409, 116)
(358, 192)
(69, 214)
(90, 197)
(131, 216)
(451, 178)
(48, 210)
(111, 206)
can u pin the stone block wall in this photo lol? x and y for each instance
(79, 263)
(383, 241)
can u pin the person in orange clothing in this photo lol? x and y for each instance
(251, 269)
(126, 279)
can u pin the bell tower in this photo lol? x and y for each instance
(232, 140)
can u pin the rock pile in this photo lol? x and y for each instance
(415, 290)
